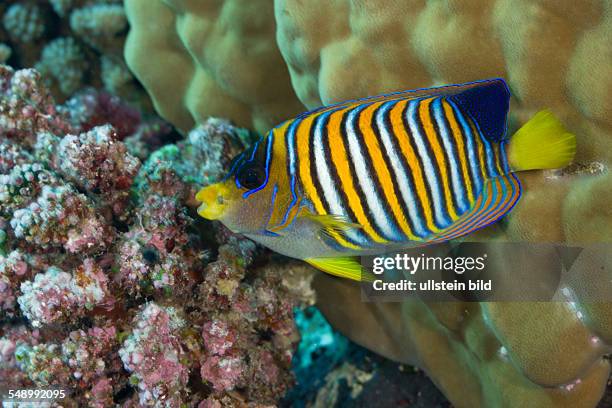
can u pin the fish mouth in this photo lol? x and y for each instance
(214, 202)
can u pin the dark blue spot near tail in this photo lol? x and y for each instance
(488, 105)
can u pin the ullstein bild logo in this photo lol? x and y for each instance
(404, 263)
(490, 271)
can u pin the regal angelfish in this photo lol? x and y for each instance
(387, 172)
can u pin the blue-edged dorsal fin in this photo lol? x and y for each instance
(479, 98)
(498, 197)
(487, 105)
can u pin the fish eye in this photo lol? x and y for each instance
(251, 176)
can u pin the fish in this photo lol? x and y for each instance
(381, 173)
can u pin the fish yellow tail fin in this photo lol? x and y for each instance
(542, 143)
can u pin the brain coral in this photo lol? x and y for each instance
(553, 54)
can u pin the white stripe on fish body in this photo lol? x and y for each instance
(290, 146)
(291, 154)
(326, 180)
(408, 195)
(430, 175)
(458, 189)
(381, 218)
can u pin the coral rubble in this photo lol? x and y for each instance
(109, 287)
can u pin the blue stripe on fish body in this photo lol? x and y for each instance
(441, 217)
(292, 165)
(328, 187)
(504, 156)
(456, 176)
(489, 154)
(381, 218)
(406, 187)
(272, 202)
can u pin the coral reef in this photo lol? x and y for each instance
(56, 296)
(24, 22)
(73, 43)
(110, 288)
(225, 51)
(63, 59)
(494, 354)
(353, 48)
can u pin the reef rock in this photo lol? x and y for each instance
(110, 288)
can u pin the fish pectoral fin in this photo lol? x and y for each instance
(275, 231)
(271, 233)
(343, 267)
(332, 224)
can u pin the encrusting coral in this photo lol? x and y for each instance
(109, 287)
(73, 43)
(552, 355)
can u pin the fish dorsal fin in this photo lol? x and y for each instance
(498, 197)
(343, 267)
(478, 99)
(487, 105)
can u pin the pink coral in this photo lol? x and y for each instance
(87, 352)
(148, 137)
(90, 108)
(22, 184)
(95, 161)
(134, 300)
(11, 155)
(240, 316)
(27, 107)
(42, 363)
(13, 271)
(154, 255)
(14, 339)
(84, 360)
(225, 373)
(154, 354)
(57, 296)
(61, 216)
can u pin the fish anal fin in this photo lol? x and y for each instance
(498, 197)
(343, 267)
